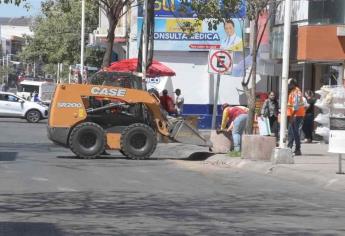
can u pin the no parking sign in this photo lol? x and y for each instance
(220, 62)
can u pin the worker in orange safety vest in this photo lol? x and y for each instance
(295, 114)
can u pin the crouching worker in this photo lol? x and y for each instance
(236, 119)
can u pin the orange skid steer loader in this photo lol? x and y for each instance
(90, 119)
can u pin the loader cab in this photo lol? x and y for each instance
(117, 79)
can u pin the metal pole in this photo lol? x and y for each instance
(3, 70)
(127, 33)
(285, 73)
(82, 40)
(61, 68)
(69, 74)
(340, 170)
(215, 104)
(58, 74)
(145, 36)
(34, 69)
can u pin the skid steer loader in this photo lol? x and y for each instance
(90, 119)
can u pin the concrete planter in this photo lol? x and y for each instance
(221, 142)
(257, 147)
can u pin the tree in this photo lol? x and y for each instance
(56, 36)
(114, 10)
(16, 2)
(215, 13)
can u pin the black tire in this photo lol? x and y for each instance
(87, 140)
(138, 141)
(33, 116)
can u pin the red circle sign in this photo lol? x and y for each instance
(225, 64)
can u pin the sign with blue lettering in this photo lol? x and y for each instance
(169, 36)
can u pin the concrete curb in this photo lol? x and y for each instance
(290, 172)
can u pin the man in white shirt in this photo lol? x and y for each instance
(179, 101)
(231, 42)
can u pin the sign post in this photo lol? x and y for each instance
(219, 62)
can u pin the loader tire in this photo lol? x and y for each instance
(87, 140)
(138, 141)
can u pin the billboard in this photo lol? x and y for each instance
(170, 36)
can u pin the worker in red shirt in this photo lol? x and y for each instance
(167, 102)
(236, 119)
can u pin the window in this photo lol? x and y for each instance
(11, 98)
(326, 12)
(8, 98)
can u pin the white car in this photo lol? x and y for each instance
(14, 106)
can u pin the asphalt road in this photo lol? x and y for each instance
(45, 190)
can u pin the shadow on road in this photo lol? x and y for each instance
(105, 157)
(8, 156)
(28, 229)
(23, 121)
(196, 156)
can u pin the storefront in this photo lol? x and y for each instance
(322, 50)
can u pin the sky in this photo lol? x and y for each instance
(10, 10)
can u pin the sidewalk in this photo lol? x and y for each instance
(315, 167)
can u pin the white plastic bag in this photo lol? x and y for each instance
(322, 119)
(264, 126)
(322, 131)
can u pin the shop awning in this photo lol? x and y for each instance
(157, 69)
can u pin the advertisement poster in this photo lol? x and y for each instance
(169, 36)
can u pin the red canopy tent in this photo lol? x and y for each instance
(157, 69)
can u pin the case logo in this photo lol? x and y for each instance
(108, 92)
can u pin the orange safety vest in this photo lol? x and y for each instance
(292, 107)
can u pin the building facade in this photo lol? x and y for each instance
(317, 51)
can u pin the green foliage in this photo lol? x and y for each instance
(94, 56)
(56, 36)
(215, 13)
(16, 2)
(234, 154)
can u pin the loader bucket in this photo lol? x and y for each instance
(183, 132)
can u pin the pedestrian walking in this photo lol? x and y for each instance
(236, 119)
(295, 113)
(179, 101)
(308, 122)
(167, 102)
(270, 110)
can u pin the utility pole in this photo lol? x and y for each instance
(58, 74)
(69, 74)
(80, 78)
(34, 69)
(7, 67)
(3, 69)
(285, 72)
(145, 39)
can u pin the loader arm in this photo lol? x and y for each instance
(68, 108)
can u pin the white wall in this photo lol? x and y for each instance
(8, 31)
(192, 76)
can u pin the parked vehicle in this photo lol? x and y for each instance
(44, 90)
(16, 107)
